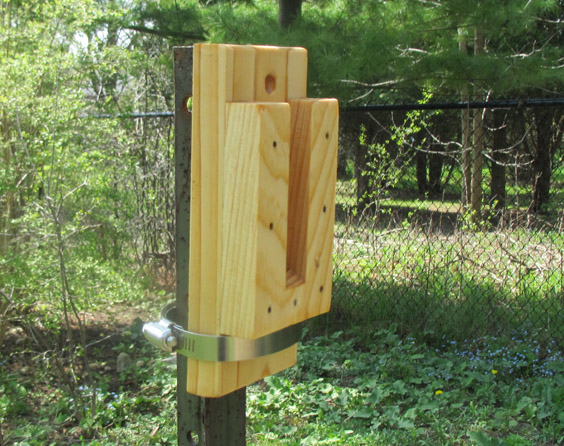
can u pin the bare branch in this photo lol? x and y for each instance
(376, 85)
(5, 296)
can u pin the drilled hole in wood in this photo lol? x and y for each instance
(295, 302)
(187, 104)
(321, 289)
(327, 135)
(270, 83)
(193, 438)
(269, 310)
(324, 208)
(274, 144)
(271, 226)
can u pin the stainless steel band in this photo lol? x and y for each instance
(170, 337)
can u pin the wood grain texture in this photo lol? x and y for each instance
(255, 218)
(323, 143)
(311, 214)
(262, 209)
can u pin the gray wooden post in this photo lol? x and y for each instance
(201, 421)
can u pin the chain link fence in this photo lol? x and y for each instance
(451, 222)
(448, 221)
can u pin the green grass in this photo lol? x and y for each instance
(472, 358)
(380, 389)
(358, 387)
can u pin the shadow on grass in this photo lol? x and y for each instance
(454, 312)
(444, 221)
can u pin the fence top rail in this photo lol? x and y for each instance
(494, 104)
(132, 115)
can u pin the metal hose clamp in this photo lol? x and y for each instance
(170, 337)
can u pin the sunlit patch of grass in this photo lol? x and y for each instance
(378, 388)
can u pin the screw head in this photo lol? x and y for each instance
(171, 341)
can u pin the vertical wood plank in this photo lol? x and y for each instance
(255, 221)
(297, 72)
(243, 74)
(270, 302)
(324, 138)
(240, 221)
(204, 208)
(313, 167)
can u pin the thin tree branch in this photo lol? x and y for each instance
(166, 33)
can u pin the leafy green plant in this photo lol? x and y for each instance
(351, 388)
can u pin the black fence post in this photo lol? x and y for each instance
(201, 421)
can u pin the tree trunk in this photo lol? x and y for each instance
(465, 131)
(288, 11)
(542, 163)
(498, 170)
(477, 165)
(421, 171)
(435, 171)
(466, 157)
(362, 180)
(110, 82)
(478, 148)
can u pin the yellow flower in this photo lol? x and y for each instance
(494, 371)
(438, 392)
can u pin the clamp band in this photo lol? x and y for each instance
(169, 336)
(229, 348)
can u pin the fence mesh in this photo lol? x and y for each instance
(450, 222)
(447, 221)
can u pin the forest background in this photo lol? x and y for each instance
(87, 214)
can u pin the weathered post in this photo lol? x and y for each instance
(255, 191)
(201, 421)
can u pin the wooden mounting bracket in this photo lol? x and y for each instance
(264, 163)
